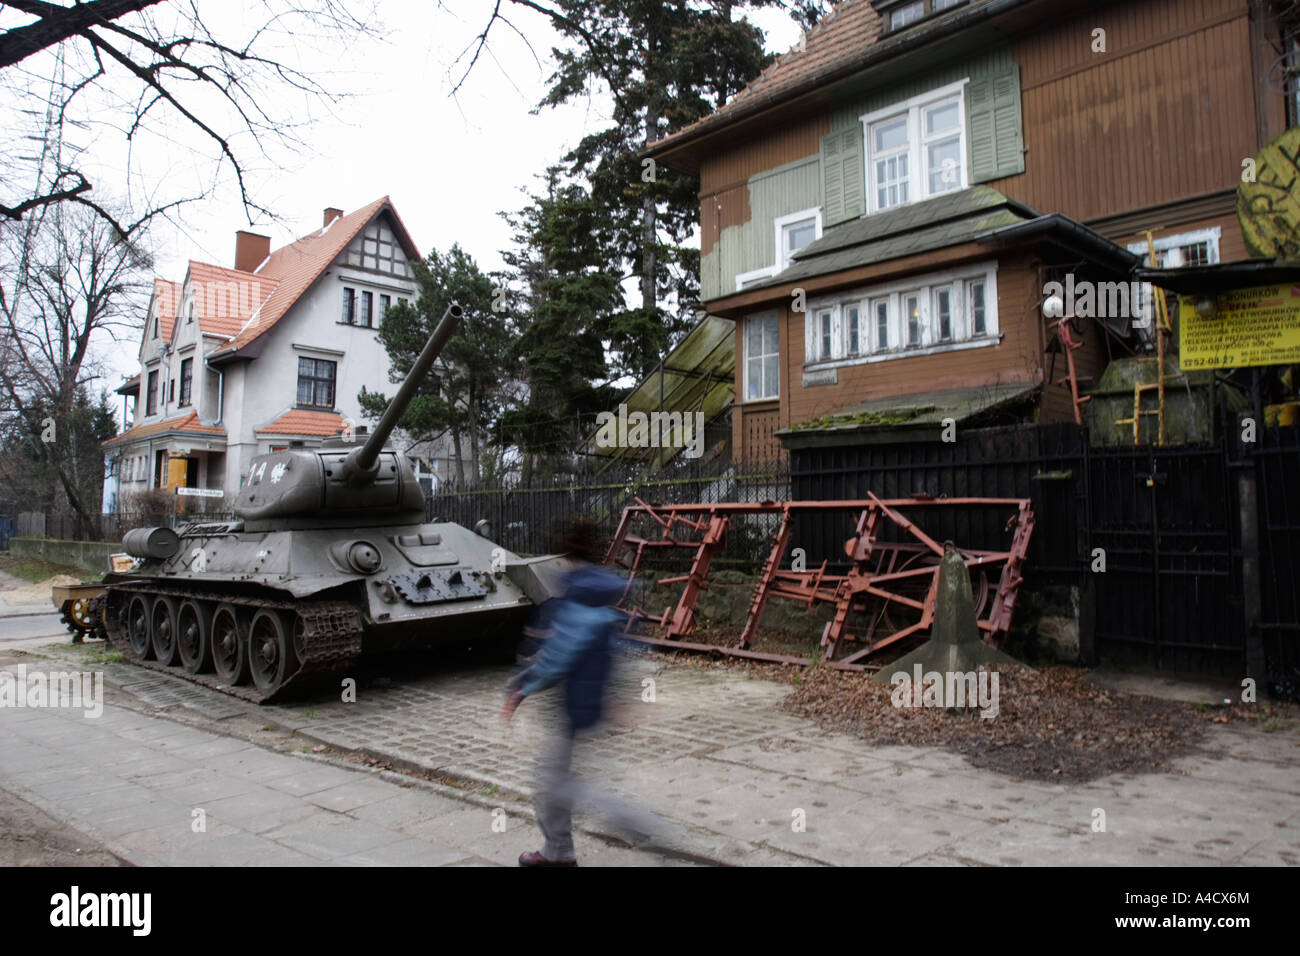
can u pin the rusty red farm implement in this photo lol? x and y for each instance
(881, 595)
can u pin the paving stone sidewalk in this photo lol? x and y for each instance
(738, 782)
(134, 783)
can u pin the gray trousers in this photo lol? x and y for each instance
(558, 790)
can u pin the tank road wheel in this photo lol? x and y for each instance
(163, 630)
(270, 650)
(229, 648)
(193, 624)
(137, 627)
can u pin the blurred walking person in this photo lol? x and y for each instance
(577, 652)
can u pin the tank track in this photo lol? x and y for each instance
(331, 639)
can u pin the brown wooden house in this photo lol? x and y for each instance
(882, 208)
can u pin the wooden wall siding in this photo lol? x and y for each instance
(1166, 114)
(1057, 404)
(759, 441)
(751, 244)
(781, 143)
(1017, 358)
(848, 114)
(1232, 244)
(727, 196)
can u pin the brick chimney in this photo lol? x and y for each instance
(330, 215)
(250, 250)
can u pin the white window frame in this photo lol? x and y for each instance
(853, 349)
(745, 356)
(755, 275)
(956, 281)
(875, 347)
(779, 226)
(918, 171)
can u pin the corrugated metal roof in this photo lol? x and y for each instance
(698, 375)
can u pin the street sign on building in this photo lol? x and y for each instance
(201, 492)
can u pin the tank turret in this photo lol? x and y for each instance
(342, 483)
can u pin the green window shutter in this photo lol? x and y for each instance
(993, 132)
(842, 190)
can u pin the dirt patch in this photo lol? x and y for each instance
(31, 837)
(1052, 724)
(38, 593)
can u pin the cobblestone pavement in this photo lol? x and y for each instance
(736, 781)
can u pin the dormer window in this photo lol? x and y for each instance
(900, 14)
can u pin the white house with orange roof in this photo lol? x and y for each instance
(238, 362)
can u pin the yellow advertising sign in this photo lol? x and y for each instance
(1258, 326)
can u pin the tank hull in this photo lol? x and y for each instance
(266, 615)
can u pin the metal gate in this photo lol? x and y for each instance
(1164, 522)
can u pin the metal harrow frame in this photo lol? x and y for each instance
(885, 579)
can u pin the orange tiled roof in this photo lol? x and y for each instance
(838, 41)
(225, 299)
(168, 296)
(299, 421)
(188, 423)
(296, 266)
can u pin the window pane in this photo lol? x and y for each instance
(937, 5)
(912, 309)
(977, 308)
(891, 134)
(908, 14)
(800, 234)
(771, 377)
(891, 181)
(754, 338)
(882, 325)
(945, 165)
(755, 370)
(851, 314)
(824, 320)
(304, 391)
(769, 336)
(942, 117)
(943, 313)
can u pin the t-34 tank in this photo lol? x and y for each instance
(331, 558)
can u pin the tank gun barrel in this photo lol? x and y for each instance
(361, 465)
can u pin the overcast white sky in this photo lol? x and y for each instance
(449, 164)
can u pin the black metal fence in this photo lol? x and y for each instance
(521, 517)
(1276, 459)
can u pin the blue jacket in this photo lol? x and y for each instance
(579, 650)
